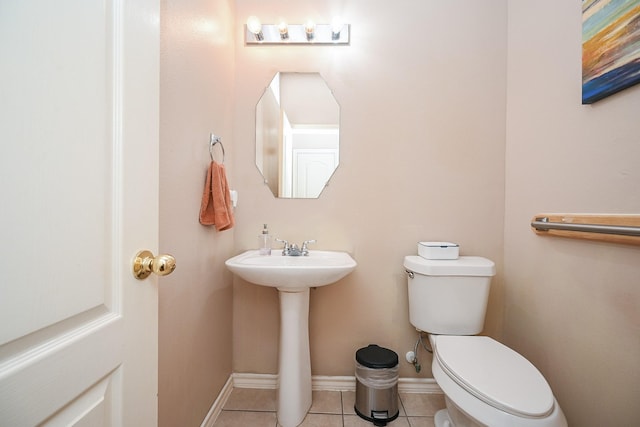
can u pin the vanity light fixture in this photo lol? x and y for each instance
(255, 28)
(336, 33)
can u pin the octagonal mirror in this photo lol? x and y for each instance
(297, 135)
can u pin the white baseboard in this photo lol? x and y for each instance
(218, 404)
(418, 385)
(326, 383)
(318, 383)
(323, 383)
(261, 381)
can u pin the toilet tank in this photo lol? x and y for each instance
(449, 297)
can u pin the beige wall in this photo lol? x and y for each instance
(422, 96)
(195, 301)
(572, 307)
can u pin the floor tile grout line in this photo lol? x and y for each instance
(404, 408)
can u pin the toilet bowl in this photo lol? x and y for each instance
(488, 384)
(485, 382)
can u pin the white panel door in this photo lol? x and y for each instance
(312, 169)
(78, 198)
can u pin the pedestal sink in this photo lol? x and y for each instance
(293, 276)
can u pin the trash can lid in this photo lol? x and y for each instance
(374, 356)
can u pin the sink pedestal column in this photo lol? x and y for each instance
(294, 365)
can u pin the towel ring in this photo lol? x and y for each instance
(215, 140)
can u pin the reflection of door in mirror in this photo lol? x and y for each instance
(315, 156)
(297, 135)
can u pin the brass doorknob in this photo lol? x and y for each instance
(144, 263)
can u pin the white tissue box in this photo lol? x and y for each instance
(438, 250)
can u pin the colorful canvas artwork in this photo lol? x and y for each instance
(610, 47)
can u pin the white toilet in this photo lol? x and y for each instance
(485, 383)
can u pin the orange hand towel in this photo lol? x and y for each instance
(216, 208)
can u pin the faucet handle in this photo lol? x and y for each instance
(307, 242)
(285, 250)
(286, 244)
(305, 245)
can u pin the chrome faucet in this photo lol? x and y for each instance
(291, 249)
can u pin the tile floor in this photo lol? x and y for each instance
(257, 408)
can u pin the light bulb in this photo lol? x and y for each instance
(336, 27)
(283, 28)
(254, 25)
(309, 29)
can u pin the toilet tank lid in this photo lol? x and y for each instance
(462, 266)
(495, 374)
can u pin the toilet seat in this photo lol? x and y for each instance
(495, 374)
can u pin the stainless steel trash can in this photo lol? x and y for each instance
(376, 384)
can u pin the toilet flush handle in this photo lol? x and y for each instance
(409, 273)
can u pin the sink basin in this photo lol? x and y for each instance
(319, 268)
(294, 277)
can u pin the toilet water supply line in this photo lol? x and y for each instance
(415, 362)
